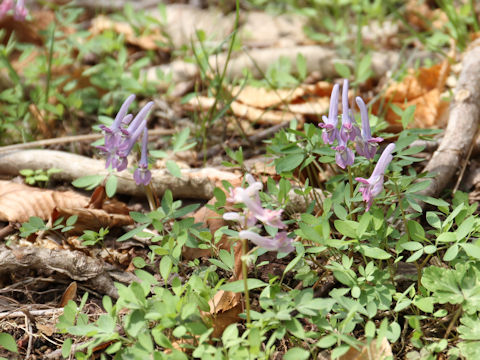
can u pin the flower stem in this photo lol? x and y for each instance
(245, 282)
(350, 181)
(404, 216)
(151, 197)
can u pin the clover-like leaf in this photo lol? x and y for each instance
(455, 286)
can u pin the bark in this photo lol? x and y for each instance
(74, 264)
(194, 183)
(462, 124)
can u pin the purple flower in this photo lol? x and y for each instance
(344, 156)
(280, 242)
(373, 186)
(365, 144)
(329, 125)
(134, 130)
(120, 140)
(5, 7)
(20, 11)
(254, 212)
(141, 174)
(349, 129)
(251, 199)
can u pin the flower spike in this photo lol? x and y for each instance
(365, 144)
(373, 186)
(349, 129)
(141, 174)
(329, 125)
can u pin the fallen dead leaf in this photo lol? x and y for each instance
(19, 202)
(93, 219)
(259, 116)
(224, 309)
(69, 294)
(147, 42)
(374, 350)
(423, 17)
(264, 98)
(422, 88)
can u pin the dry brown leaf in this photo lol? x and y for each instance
(146, 42)
(94, 219)
(373, 350)
(19, 202)
(418, 82)
(69, 294)
(260, 116)
(423, 89)
(421, 16)
(224, 309)
(316, 107)
(47, 329)
(264, 98)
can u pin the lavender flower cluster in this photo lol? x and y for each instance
(121, 137)
(19, 9)
(254, 213)
(365, 144)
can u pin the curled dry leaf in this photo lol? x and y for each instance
(69, 294)
(259, 116)
(423, 89)
(94, 219)
(423, 17)
(224, 309)
(19, 202)
(147, 42)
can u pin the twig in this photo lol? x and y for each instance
(28, 328)
(16, 314)
(74, 138)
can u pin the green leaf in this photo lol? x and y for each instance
(67, 345)
(88, 182)
(416, 230)
(238, 286)
(412, 246)
(343, 70)
(451, 253)
(347, 228)
(289, 162)
(111, 185)
(447, 237)
(8, 342)
(296, 354)
(457, 286)
(364, 69)
(165, 267)
(471, 250)
(301, 66)
(374, 252)
(26, 172)
(173, 168)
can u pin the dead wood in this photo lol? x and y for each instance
(462, 125)
(75, 138)
(194, 184)
(319, 60)
(74, 264)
